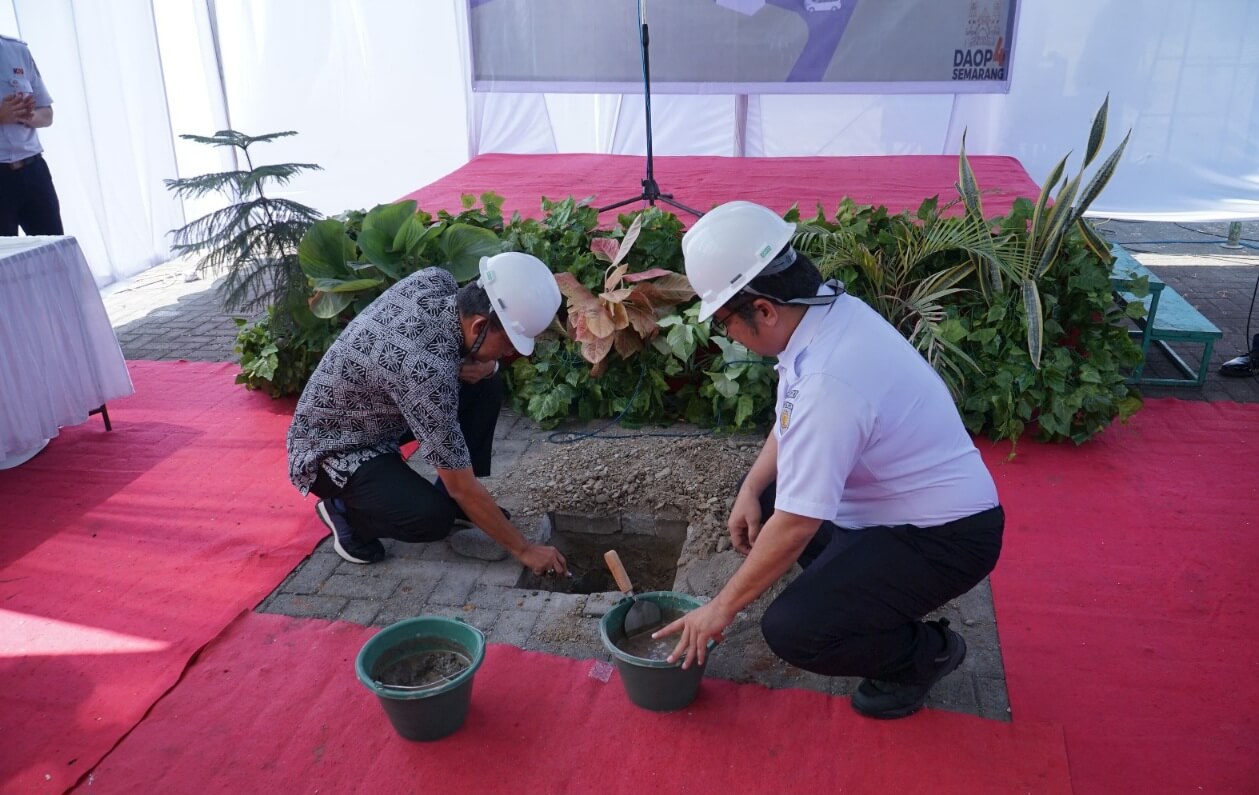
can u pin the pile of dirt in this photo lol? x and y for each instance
(694, 478)
(691, 477)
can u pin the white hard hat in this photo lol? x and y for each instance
(523, 294)
(728, 247)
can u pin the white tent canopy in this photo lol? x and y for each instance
(379, 92)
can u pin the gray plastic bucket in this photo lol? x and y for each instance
(652, 684)
(423, 713)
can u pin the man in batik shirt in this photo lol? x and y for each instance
(421, 361)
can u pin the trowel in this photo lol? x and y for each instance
(643, 615)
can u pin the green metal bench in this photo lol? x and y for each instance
(1168, 318)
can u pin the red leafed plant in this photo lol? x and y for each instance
(624, 315)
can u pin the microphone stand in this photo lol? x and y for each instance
(651, 190)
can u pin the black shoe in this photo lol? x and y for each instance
(343, 540)
(462, 521)
(887, 700)
(1243, 366)
(1240, 367)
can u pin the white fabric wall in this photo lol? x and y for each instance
(110, 145)
(196, 100)
(377, 90)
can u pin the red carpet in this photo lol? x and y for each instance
(273, 706)
(123, 553)
(900, 183)
(1126, 598)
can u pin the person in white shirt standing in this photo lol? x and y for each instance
(868, 478)
(28, 198)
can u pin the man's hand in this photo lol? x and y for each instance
(744, 522)
(544, 560)
(470, 372)
(17, 108)
(699, 626)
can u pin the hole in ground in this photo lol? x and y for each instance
(649, 547)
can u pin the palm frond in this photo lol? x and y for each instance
(208, 230)
(278, 173)
(249, 287)
(236, 139)
(258, 285)
(967, 234)
(809, 237)
(227, 182)
(942, 283)
(292, 210)
(945, 357)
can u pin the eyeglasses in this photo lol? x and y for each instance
(718, 324)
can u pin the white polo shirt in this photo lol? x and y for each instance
(867, 431)
(18, 74)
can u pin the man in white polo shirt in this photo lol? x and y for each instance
(868, 479)
(28, 199)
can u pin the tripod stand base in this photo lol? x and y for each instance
(651, 194)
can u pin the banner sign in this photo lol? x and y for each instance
(743, 46)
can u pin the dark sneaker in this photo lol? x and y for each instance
(887, 700)
(462, 521)
(343, 540)
(1243, 366)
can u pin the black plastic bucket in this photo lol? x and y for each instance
(426, 712)
(652, 684)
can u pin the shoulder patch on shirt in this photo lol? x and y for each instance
(784, 417)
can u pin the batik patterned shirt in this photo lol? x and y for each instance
(394, 368)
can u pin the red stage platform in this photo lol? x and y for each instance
(899, 183)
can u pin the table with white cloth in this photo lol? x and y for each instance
(59, 358)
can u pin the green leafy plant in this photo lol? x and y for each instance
(1026, 258)
(740, 387)
(351, 260)
(939, 275)
(625, 313)
(1079, 385)
(714, 380)
(276, 355)
(253, 240)
(909, 272)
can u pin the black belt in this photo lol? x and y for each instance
(18, 165)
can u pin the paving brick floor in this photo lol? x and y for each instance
(161, 316)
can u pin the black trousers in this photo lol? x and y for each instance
(28, 199)
(385, 498)
(856, 609)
